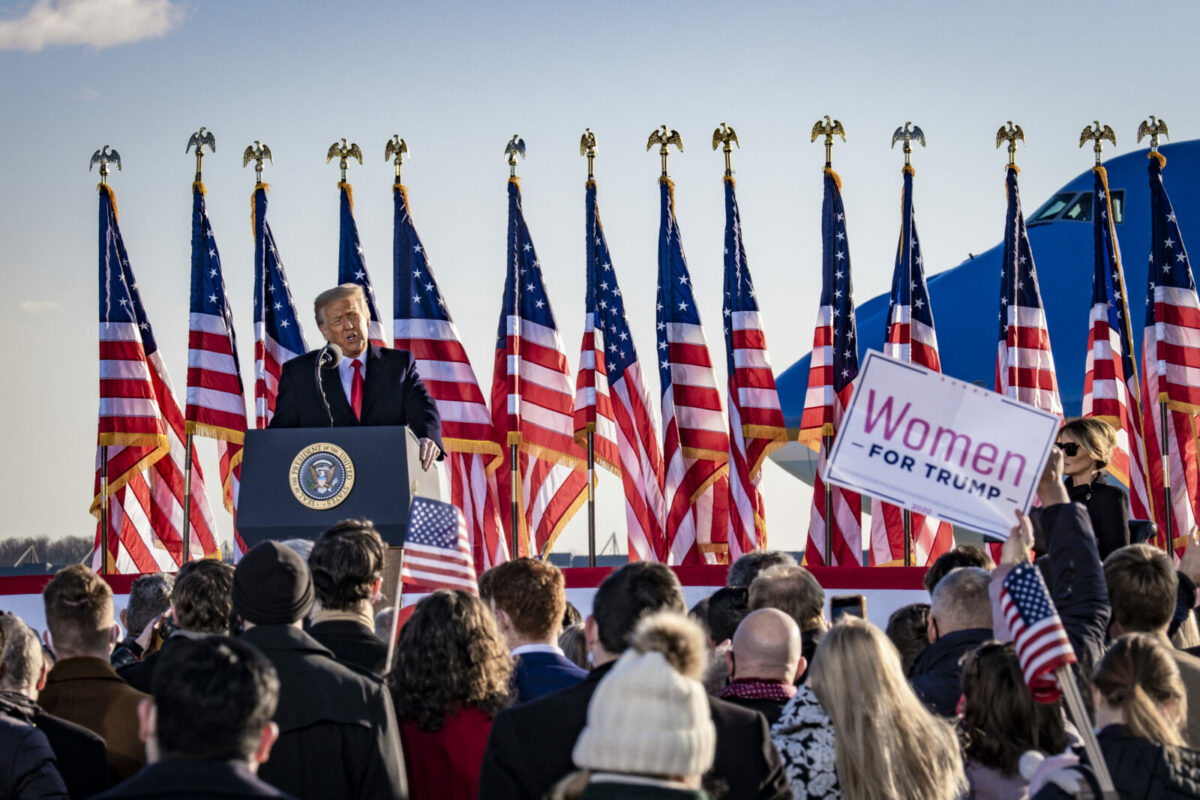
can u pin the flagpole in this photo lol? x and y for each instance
(587, 147)
(1083, 724)
(1165, 447)
(104, 509)
(394, 628)
(511, 150)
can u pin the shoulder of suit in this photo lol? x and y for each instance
(728, 714)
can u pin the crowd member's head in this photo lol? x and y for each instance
(24, 664)
(1087, 444)
(908, 628)
(149, 599)
(766, 646)
(201, 598)
(792, 590)
(450, 656)
(727, 607)
(743, 571)
(963, 555)
(571, 616)
(342, 317)
(625, 596)
(79, 613)
(214, 698)
(1142, 586)
(272, 586)
(1137, 684)
(960, 602)
(347, 566)
(888, 745)
(573, 642)
(1000, 719)
(528, 596)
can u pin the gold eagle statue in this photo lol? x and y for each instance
(1153, 128)
(105, 156)
(200, 139)
(587, 142)
(396, 147)
(257, 152)
(829, 128)
(663, 138)
(344, 152)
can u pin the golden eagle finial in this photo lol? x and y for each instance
(1097, 133)
(1153, 128)
(514, 148)
(105, 156)
(726, 136)
(587, 147)
(663, 138)
(908, 134)
(199, 140)
(399, 148)
(829, 128)
(1010, 133)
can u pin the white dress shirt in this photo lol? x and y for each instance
(346, 373)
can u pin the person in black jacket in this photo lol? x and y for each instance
(763, 663)
(347, 569)
(1087, 444)
(529, 748)
(960, 620)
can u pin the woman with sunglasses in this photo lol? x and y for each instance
(1087, 444)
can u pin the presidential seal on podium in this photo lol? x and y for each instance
(321, 475)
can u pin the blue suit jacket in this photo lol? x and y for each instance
(538, 674)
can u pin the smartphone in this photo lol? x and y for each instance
(854, 605)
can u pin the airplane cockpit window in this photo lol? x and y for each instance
(1077, 207)
(1080, 210)
(1051, 209)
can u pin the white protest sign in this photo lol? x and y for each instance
(941, 447)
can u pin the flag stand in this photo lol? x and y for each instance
(395, 626)
(104, 523)
(1070, 690)
(1165, 447)
(187, 499)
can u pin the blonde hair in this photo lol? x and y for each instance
(889, 746)
(1139, 677)
(1095, 436)
(339, 292)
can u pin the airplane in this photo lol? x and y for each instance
(966, 298)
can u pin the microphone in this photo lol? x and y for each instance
(329, 357)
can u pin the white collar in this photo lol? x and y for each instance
(536, 648)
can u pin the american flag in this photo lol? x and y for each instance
(910, 337)
(831, 375)
(422, 325)
(1110, 385)
(1024, 362)
(277, 334)
(756, 426)
(611, 398)
(531, 399)
(146, 511)
(437, 552)
(352, 266)
(1170, 361)
(216, 400)
(695, 438)
(1037, 632)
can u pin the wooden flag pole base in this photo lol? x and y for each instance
(394, 628)
(1066, 681)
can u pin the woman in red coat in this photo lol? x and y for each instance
(451, 675)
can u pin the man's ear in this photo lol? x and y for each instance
(147, 719)
(376, 590)
(122, 617)
(114, 636)
(591, 632)
(800, 668)
(931, 630)
(45, 670)
(729, 662)
(266, 740)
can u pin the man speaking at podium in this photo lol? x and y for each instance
(350, 381)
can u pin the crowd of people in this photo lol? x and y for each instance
(271, 679)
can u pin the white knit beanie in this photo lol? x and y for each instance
(647, 719)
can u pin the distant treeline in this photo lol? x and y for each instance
(58, 551)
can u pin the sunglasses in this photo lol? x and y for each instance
(1068, 448)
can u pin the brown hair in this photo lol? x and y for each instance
(573, 642)
(450, 656)
(1095, 436)
(531, 592)
(203, 596)
(79, 610)
(1139, 677)
(792, 590)
(1141, 588)
(340, 292)
(1000, 719)
(908, 628)
(345, 561)
(963, 555)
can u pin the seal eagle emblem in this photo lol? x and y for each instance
(321, 475)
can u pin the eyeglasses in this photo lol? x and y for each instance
(1068, 448)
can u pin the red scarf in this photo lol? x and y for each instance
(754, 689)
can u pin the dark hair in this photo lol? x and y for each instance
(1000, 719)
(630, 593)
(571, 616)
(727, 607)
(743, 571)
(964, 555)
(450, 656)
(344, 563)
(1142, 588)
(1138, 675)
(202, 596)
(78, 610)
(531, 592)
(149, 599)
(213, 695)
(908, 628)
(792, 590)
(573, 642)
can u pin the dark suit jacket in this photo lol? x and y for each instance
(81, 755)
(88, 692)
(530, 746)
(1108, 508)
(198, 779)
(352, 642)
(538, 674)
(393, 394)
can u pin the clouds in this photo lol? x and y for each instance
(99, 23)
(35, 307)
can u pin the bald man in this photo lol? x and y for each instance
(764, 662)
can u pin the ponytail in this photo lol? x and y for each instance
(1138, 676)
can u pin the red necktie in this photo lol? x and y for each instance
(356, 385)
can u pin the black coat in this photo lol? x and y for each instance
(195, 779)
(393, 394)
(1108, 508)
(1076, 583)
(27, 768)
(353, 643)
(936, 673)
(529, 749)
(338, 735)
(770, 709)
(1141, 768)
(82, 756)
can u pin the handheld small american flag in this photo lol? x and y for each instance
(695, 437)
(352, 265)
(1037, 632)
(1170, 355)
(756, 426)
(531, 399)
(437, 552)
(831, 377)
(910, 336)
(611, 398)
(423, 326)
(277, 334)
(1110, 383)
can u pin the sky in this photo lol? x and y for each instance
(456, 80)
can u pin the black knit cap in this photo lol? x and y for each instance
(272, 585)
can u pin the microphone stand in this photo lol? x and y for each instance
(329, 356)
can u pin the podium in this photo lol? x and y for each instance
(298, 482)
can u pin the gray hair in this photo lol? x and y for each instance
(961, 600)
(22, 655)
(149, 598)
(743, 571)
(340, 292)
